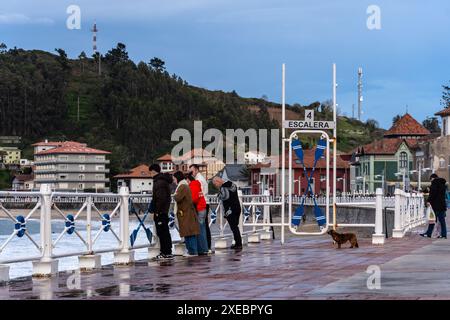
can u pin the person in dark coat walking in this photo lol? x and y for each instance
(231, 206)
(436, 199)
(161, 199)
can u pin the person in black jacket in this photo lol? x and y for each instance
(161, 199)
(231, 206)
(436, 199)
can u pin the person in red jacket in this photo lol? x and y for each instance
(200, 205)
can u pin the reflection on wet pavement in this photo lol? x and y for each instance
(265, 271)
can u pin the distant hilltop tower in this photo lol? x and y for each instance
(360, 97)
(94, 38)
(94, 47)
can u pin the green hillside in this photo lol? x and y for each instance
(130, 109)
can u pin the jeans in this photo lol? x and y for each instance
(202, 242)
(208, 231)
(233, 221)
(163, 233)
(440, 216)
(191, 245)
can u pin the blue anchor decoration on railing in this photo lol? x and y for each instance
(148, 232)
(171, 220)
(213, 215)
(246, 213)
(70, 224)
(258, 213)
(21, 226)
(106, 222)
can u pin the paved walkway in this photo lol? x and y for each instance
(303, 268)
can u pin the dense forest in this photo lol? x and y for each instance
(129, 109)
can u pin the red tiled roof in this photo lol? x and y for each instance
(142, 171)
(166, 157)
(407, 126)
(73, 148)
(58, 143)
(192, 154)
(387, 146)
(308, 158)
(443, 113)
(24, 177)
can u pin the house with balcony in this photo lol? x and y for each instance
(389, 163)
(70, 166)
(138, 179)
(209, 165)
(23, 182)
(10, 156)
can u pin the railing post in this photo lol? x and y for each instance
(378, 237)
(241, 216)
(266, 234)
(89, 261)
(125, 255)
(46, 266)
(398, 230)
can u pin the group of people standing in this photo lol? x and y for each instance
(191, 210)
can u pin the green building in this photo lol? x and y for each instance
(388, 163)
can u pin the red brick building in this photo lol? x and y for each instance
(264, 177)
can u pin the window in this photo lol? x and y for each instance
(63, 166)
(100, 158)
(81, 186)
(98, 168)
(63, 176)
(82, 167)
(99, 176)
(82, 158)
(63, 158)
(403, 160)
(81, 177)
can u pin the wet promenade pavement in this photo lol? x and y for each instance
(302, 268)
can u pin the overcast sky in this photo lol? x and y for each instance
(241, 44)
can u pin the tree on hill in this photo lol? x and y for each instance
(446, 96)
(396, 118)
(157, 65)
(432, 124)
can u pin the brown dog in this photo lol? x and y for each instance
(341, 238)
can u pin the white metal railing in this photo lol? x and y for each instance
(409, 212)
(90, 210)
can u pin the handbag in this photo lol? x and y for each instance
(430, 214)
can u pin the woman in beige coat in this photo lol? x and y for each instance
(188, 223)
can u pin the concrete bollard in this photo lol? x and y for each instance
(179, 249)
(244, 240)
(90, 262)
(45, 268)
(222, 243)
(4, 273)
(378, 237)
(266, 235)
(254, 238)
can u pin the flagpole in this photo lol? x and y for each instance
(334, 146)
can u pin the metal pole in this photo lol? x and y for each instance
(334, 145)
(89, 224)
(46, 223)
(359, 93)
(419, 185)
(283, 155)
